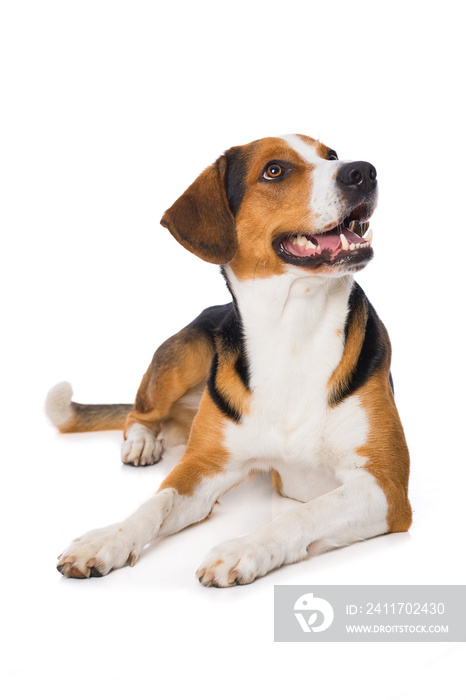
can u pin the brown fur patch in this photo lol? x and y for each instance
(231, 387)
(341, 377)
(321, 149)
(269, 209)
(201, 219)
(177, 426)
(277, 482)
(386, 450)
(205, 454)
(180, 364)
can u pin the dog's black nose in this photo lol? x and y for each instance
(359, 176)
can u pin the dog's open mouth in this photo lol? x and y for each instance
(347, 244)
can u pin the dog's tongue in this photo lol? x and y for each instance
(301, 247)
(331, 241)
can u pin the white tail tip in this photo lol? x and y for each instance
(58, 404)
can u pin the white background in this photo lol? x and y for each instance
(109, 111)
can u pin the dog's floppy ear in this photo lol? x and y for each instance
(201, 219)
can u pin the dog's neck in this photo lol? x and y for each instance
(293, 303)
(294, 332)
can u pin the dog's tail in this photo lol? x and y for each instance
(71, 417)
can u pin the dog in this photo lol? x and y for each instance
(291, 378)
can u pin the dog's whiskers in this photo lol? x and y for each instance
(255, 270)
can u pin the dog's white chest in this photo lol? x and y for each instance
(292, 351)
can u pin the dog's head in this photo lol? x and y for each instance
(278, 204)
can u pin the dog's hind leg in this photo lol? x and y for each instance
(178, 366)
(170, 391)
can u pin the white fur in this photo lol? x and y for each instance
(290, 326)
(58, 404)
(166, 512)
(353, 511)
(326, 202)
(304, 148)
(141, 446)
(113, 546)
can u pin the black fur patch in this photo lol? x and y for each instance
(230, 342)
(216, 395)
(237, 169)
(374, 348)
(390, 379)
(206, 324)
(242, 369)
(211, 319)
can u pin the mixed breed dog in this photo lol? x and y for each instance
(291, 378)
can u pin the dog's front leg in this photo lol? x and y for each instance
(99, 551)
(171, 509)
(354, 511)
(187, 495)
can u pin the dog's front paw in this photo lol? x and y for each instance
(98, 552)
(234, 563)
(141, 448)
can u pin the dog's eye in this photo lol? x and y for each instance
(332, 155)
(273, 171)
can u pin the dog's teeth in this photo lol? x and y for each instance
(302, 240)
(368, 235)
(344, 242)
(309, 245)
(352, 246)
